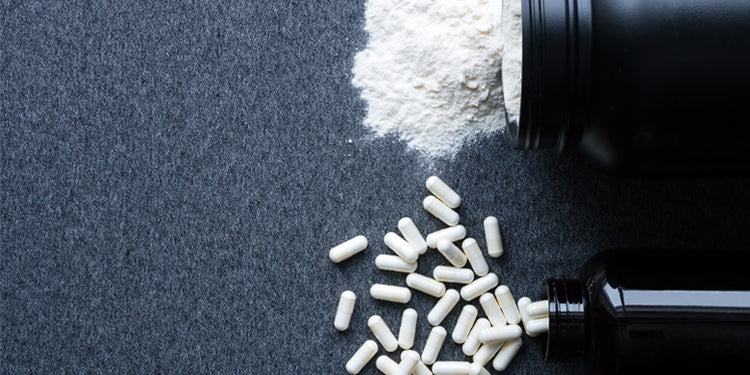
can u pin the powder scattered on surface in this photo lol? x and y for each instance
(512, 64)
(431, 71)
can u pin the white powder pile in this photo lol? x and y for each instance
(513, 34)
(431, 71)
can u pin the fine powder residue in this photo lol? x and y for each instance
(512, 64)
(431, 71)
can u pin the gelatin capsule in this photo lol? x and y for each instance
(443, 307)
(360, 358)
(442, 191)
(506, 354)
(394, 263)
(479, 286)
(472, 343)
(507, 304)
(347, 249)
(442, 212)
(475, 256)
(408, 329)
(399, 246)
(412, 234)
(492, 237)
(344, 310)
(425, 284)
(500, 334)
(433, 345)
(382, 333)
(456, 275)
(492, 309)
(464, 323)
(452, 253)
(452, 234)
(390, 293)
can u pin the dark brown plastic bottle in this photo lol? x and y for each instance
(645, 311)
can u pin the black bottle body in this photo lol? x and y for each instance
(641, 85)
(654, 312)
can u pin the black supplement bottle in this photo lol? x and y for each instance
(643, 311)
(639, 85)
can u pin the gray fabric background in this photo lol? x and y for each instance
(174, 173)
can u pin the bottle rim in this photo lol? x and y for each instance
(566, 337)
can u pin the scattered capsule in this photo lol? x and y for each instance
(347, 249)
(472, 343)
(448, 274)
(425, 284)
(492, 310)
(382, 333)
(452, 253)
(390, 293)
(464, 323)
(409, 360)
(492, 237)
(507, 304)
(360, 358)
(522, 303)
(421, 368)
(443, 307)
(386, 365)
(485, 352)
(438, 209)
(394, 263)
(408, 328)
(535, 327)
(451, 234)
(442, 191)
(451, 368)
(475, 257)
(412, 234)
(500, 334)
(344, 310)
(399, 246)
(479, 286)
(433, 345)
(477, 369)
(506, 354)
(538, 309)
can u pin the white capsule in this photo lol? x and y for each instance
(506, 354)
(472, 343)
(538, 309)
(399, 246)
(479, 286)
(442, 191)
(507, 304)
(451, 368)
(425, 284)
(347, 249)
(486, 352)
(492, 309)
(493, 237)
(394, 263)
(535, 327)
(438, 209)
(360, 358)
(433, 345)
(475, 257)
(386, 365)
(464, 323)
(382, 333)
(344, 310)
(477, 369)
(452, 253)
(412, 234)
(408, 328)
(409, 361)
(421, 368)
(443, 307)
(448, 274)
(451, 234)
(500, 334)
(522, 303)
(390, 293)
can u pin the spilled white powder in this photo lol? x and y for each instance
(431, 71)
(512, 64)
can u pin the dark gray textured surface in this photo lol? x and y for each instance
(173, 175)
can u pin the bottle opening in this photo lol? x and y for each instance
(567, 324)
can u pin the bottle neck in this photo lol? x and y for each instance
(556, 74)
(567, 336)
